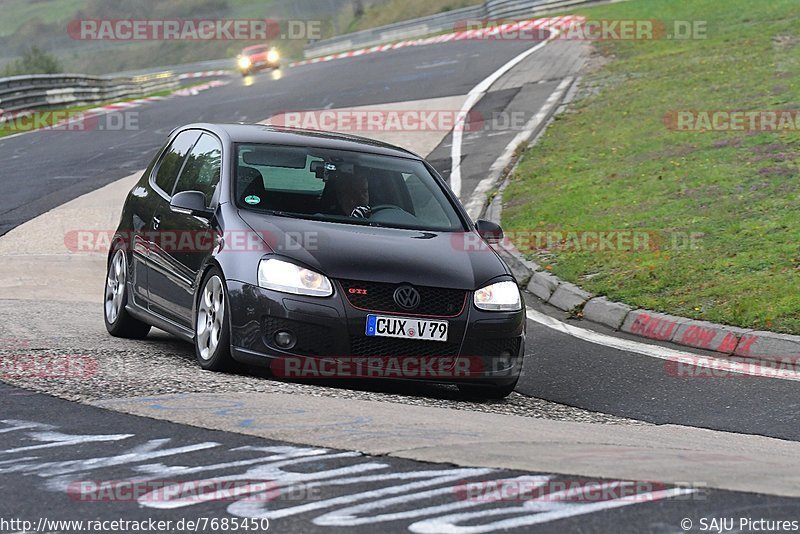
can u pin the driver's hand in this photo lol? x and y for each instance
(361, 212)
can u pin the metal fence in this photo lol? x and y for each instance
(48, 91)
(448, 21)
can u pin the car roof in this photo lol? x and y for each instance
(277, 135)
(253, 47)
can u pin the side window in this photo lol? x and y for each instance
(172, 161)
(202, 169)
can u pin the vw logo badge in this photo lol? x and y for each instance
(406, 297)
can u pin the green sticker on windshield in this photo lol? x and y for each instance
(252, 199)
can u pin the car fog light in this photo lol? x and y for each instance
(285, 339)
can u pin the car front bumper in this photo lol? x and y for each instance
(483, 347)
(260, 65)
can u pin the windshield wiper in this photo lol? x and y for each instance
(287, 214)
(343, 220)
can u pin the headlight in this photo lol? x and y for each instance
(290, 278)
(502, 296)
(273, 56)
(244, 62)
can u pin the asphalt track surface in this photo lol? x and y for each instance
(42, 170)
(59, 453)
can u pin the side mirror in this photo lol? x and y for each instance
(489, 231)
(191, 203)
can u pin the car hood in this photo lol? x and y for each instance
(455, 260)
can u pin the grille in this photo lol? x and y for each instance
(312, 340)
(363, 346)
(434, 301)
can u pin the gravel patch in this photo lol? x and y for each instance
(62, 349)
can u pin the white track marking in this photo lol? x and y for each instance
(473, 97)
(722, 365)
(478, 198)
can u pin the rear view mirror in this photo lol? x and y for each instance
(489, 231)
(325, 169)
(190, 203)
(286, 157)
(318, 168)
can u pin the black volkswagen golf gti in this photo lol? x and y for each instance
(319, 255)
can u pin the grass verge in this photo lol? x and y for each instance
(612, 164)
(399, 10)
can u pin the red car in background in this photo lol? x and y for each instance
(258, 57)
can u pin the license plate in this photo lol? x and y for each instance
(406, 328)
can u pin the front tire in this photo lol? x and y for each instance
(119, 322)
(212, 340)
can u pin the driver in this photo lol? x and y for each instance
(351, 194)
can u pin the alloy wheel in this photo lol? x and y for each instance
(210, 317)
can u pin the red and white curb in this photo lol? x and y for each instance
(723, 339)
(121, 106)
(117, 106)
(557, 23)
(205, 74)
(191, 91)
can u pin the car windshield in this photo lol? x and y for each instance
(343, 187)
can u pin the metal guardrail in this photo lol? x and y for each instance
(47, 91)
(228, 63)
(411, 29)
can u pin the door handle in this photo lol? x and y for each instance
(156, 223)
